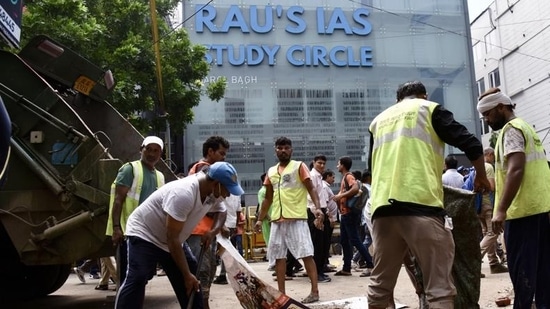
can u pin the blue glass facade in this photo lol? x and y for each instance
(318, 72)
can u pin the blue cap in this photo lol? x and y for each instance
(226, 174)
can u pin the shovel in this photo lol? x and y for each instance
(193, 292)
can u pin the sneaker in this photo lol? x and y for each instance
(298, 269)
(330, 266)
(323, 278)
(161, 273)
(354, 266)
(80, 274)
(221, 279)
(498, 269)
(365, 273)
(102, 287)
(94, 276)
(271, 268)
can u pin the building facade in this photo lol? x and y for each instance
(318, 72)
(510, 50)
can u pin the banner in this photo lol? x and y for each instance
(253, 293)
(250, 290)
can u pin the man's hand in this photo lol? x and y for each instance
(118, 236)
(225, 232)
(498, 221)
(191, 283)
(337, 197)
(319, 219)
(207, 238)
(482, 184)
(258, 226)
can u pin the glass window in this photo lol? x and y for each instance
(490, 41)
(479, 51)
(319, 72)
(480, 86)
(494, 78)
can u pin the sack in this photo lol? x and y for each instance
(359, 200)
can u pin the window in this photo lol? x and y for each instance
(478, 50)
(490, 40)
(480, 86)
(494, 79)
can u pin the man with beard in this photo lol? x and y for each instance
(522, 199)
(157, 229)
(135, 181)
(287, 186)
(214, 149)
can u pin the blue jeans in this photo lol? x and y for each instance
(143, 257)
(367, 241)
(349, 236)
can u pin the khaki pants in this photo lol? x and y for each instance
(429, 242)
(108, 270)
(488, 244)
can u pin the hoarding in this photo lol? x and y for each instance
(10, 21)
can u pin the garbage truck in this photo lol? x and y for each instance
(65, 148)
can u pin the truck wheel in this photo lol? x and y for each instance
(34, 281)
(20, 281)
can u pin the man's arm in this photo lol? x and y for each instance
(455, 134)
(266, 203)
(319, 216)
(371, 147)
(481, 183)
(217, 225)
(353, 190)
(173, 230)
(332, 208)
(120, 196)
(514, 176)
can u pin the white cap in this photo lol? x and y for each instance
(153, 140)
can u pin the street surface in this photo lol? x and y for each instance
(159, 293)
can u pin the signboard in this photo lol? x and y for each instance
(10, 21)
(331, 26)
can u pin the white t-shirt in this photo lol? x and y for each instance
(232, 204)
(182, 200)
(452, 178)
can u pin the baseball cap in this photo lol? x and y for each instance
(226, 174)
(152, 140)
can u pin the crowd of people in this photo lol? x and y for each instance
(394, 206)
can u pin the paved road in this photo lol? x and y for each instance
(159, 293)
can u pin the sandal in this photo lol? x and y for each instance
(311, 298)
(102, 287)
(287, 278)
(342, 273)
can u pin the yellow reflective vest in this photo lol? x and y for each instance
(407, 156)
(534, 191)
(289, 193)
(132, 198)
